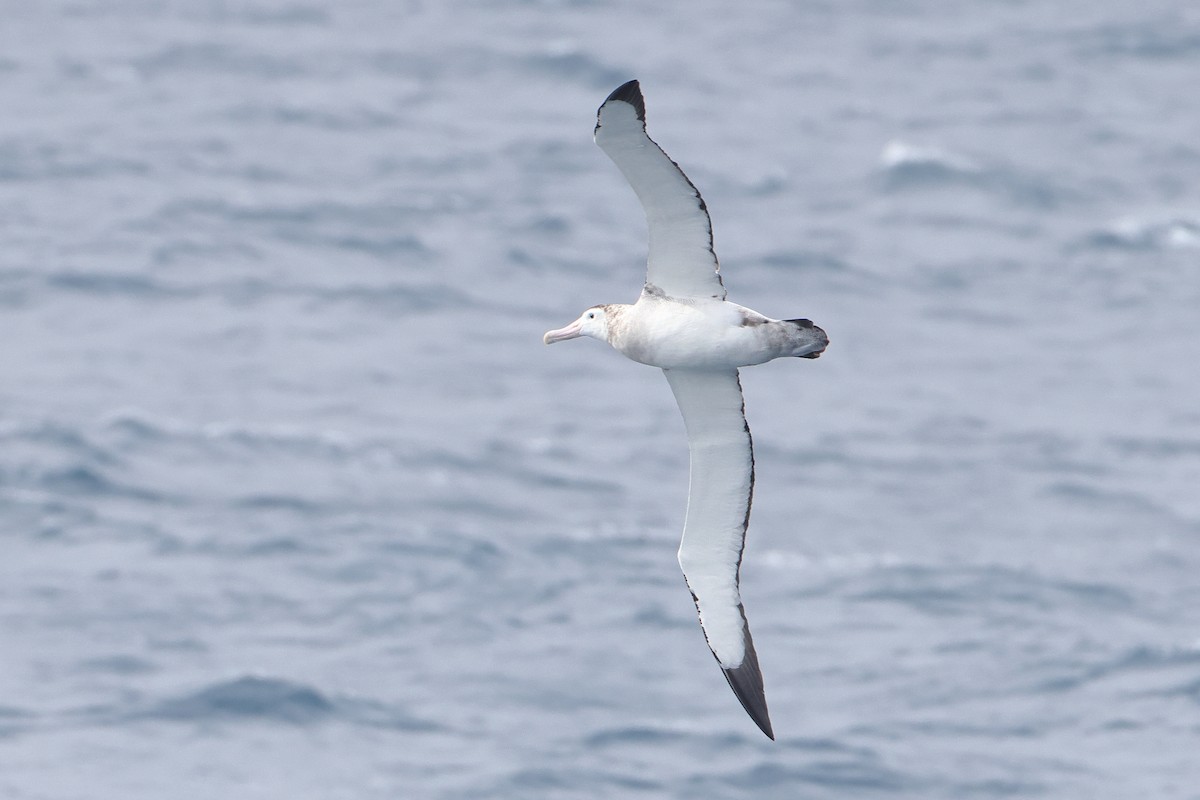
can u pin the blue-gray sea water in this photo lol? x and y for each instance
(294, 503)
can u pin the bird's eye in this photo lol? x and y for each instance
(591, 315)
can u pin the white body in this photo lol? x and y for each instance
(699, 333)
(693, 334)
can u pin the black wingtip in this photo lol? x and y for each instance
(747, 683)
(631, 93)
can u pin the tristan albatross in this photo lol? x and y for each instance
(683, 324)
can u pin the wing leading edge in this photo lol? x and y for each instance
(681, 260)
(720, 490)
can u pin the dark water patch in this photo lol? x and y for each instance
(276, 546)
(185, 645)
(388, 230)
(547, 225)
(276, 700)
(429, 560)
(109, 284)
(187, 251)
(1155, 448)
(416, 298)
(972, 317)
(121, 664)
(567, 781)
(15, 721)
(547, 156)
(542, 779)
(906, 168)
(634, 735)
(574, 482)
(823, 266)
(56, 437)
(79, 479)
(130, 427)
(22, 161)
(298, 15)
(998, 787)
(279, 502)
(16, 287)
(969, 729)
(1189, 689)
(469, 551)
(270, 699)
(360, 118)
(374, 714)
(1141, 660)
(268, 441)
(387, 297)
(381, 245)
(413, 66)
(1100, 498)
(1155, 38)
(658, 617)
(974, 590)
(576, 66)
(210, 58)
(864, 773)
(53, 518)
(66, 462)
(252, 542)
(1049, 452)
(1175, 232)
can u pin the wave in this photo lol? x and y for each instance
(568, 61)
(1148, 39)
(14, 721)
(354, 118)
(207, 58)
(276, 700)
(61, 460)
(1171, 231)
(133, 455)
(904, 163)
(972, 590)
(1169, 663)
(21, 287)
(908, 167)
(22, 161)
(249, 697)
(863, 772)
(367, 226)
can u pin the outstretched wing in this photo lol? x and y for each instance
(719, 493)
(681, 260)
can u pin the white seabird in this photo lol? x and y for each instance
(683, 324)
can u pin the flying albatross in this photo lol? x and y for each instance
(683, 324)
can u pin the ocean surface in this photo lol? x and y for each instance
(295, 504)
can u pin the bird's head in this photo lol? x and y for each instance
(593, 323)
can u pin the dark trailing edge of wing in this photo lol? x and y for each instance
(747, 683)
(630, 93)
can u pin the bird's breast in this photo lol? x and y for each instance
(701, 334)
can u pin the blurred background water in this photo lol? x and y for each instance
(294, 503)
